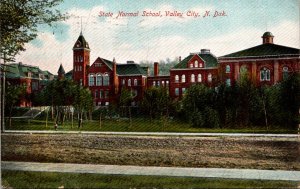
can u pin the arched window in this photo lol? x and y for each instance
(227, 69)
(153, 83)
(209, 77)
(200, 65)
(105, 79)
(196, 63)
(91, 80)
(123, 81)
(176, 78)
(192, 78)
(163, 83)
(285, 72)
(265, 74)
(191, 65)
(129, 82)
(199, 78)
(183, 78)
(135, 82)
(99, 80)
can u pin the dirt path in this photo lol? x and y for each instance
(218, 152)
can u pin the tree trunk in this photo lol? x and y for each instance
(130, 121)
(265, 113)
(47, 112)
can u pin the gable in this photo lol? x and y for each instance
(100, 66)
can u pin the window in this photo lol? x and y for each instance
(176, 78)
(129, 82)
(163, 83)
(196, 64)
(153, 83)
(91, 80)
(227, 69)
(101, 94)
(228, 82)
(200, 65)
(106, 94)
(177, 91)
(96, 94)
(183, 78)
(106, 80)
(80, 82)
(209, 77)
(183, 90)
(191, 65)
(123, 81)
(285, 72)
(158, 83)
(265, 74)
(167, 83)
(192, 78)
(135, 82)
(80, 68)
(99, 80)
(199, 78)
(81, 59)
(106, 103)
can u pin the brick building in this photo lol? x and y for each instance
(32, 77)
(200, 67)
(265, 64)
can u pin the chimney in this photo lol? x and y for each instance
(205, 51)
(115, 76)
(179, 58)
(156, 69)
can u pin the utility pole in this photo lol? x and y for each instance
(3, 95)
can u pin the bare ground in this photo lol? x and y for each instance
(221, 152)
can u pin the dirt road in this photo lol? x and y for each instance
(218, 152)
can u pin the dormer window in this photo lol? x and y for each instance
(191, 65)
(200, 65)
(196, 64)
(77, 45)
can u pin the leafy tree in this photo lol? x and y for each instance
(83, 102)
(156, 102)
(199, 106)
(289, 100)
(12, 97)
(19, 21)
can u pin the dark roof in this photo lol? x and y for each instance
(267, 49)
(61, 70)
(209, 60)
(82, 43)
(18, 70)
(130, 69)
(268, 34)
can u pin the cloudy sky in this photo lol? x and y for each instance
(150, 38)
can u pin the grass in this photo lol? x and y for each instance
(138, 125)
(22, 179)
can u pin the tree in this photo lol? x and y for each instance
(199, 106)
(19, 21)
(156, 102)
(12, 97)
(83, 102)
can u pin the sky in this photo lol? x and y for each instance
(151, 38)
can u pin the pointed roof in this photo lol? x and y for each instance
(209, 60)
(61, 69)
(267, 49)
(81, 43)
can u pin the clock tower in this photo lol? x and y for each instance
(81, 60)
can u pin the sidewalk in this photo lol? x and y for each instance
(153, 133)
(154, 171)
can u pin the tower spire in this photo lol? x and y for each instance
(80, 25)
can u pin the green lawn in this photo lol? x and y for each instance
(137, 125)
(20, 179)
